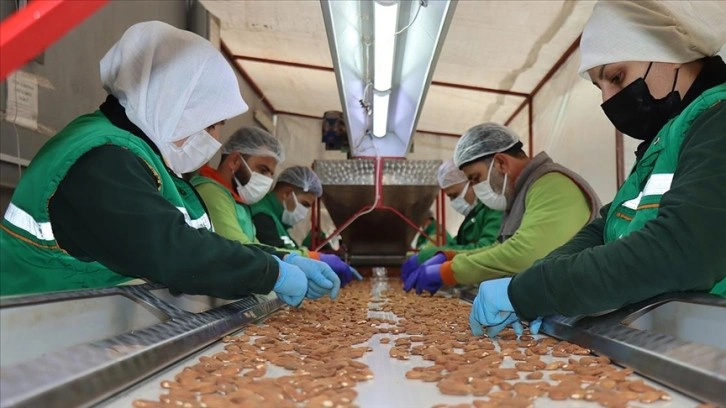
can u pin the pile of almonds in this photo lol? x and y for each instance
(319, 344)
(438, 331)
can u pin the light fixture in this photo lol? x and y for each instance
(380, 112)
(386, 20)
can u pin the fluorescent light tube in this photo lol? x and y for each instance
(380, 113)
(386, 19)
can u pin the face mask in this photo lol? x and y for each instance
(256, 188)
(460, 204)
(296, 215)
(486, 194)
(637, 114)
(196, 150)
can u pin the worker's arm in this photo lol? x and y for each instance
(267, 231)
(589, 236)
(223, 214)
(555, 209)
(108, 208)
(682, 249)
(481, 235)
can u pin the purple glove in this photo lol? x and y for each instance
(339, 267)
(412, 280)
(409, 267)
(429, 279)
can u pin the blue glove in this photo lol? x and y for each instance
(291, 285)
(321, 279)
(356, 274)
(413, 278)
(408, 267)
(493, 309)
(339, 267)
(429, 279)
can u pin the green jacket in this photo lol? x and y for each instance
(556, 208)
(230, 218)
(423, 243)
(672, 241)
(98, 207)
(267, 217)
(479, 229)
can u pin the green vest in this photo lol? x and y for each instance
(242, 211)
(479, 220)
(638, 199)
(31, 259)
(272, 207)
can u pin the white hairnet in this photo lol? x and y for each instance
(652, 30)
(302, 177)
(254, 141)
(172, 83)
(450, 175)
(483, 140)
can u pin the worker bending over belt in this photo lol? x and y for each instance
(103, 201)
(544, 205)
(289, 203)
(665, 231)
(479, 228)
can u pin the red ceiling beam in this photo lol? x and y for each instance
(227, 53)
(300, 115)
(556, 67)
(34, 28)
(284, 63)
(480, 89)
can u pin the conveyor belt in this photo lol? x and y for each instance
(389, 387)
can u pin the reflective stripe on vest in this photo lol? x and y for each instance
(657, 184)
(24, 221)
(201, 222)
(44, 231)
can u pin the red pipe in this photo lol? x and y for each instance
(37, 26)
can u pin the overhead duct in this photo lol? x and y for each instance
(382, 113)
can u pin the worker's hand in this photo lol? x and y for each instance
(291, 285)
(339, 267)
(410, 278)
(321, 279)
(493, 309)
(429, 279)
(409, 266)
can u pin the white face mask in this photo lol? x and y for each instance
(196, 150)
(487, 196)
(296, 215)
(256, 188)
(460, 204)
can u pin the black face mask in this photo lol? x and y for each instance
(637, 114)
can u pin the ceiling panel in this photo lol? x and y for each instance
(280, 30)
(451, 110)
(508, 45)
(298, 90)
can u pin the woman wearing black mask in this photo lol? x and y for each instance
(665, 231)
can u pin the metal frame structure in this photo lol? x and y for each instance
(86, 373)
(32, 29)
(438, 240)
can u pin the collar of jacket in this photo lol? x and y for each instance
(211, 173)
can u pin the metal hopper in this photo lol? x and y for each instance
(377, 204)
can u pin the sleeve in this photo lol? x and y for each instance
(589, 236)
(555, 209)
(267, 231)
(682, 249)
(222, 213)
(109, 209)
